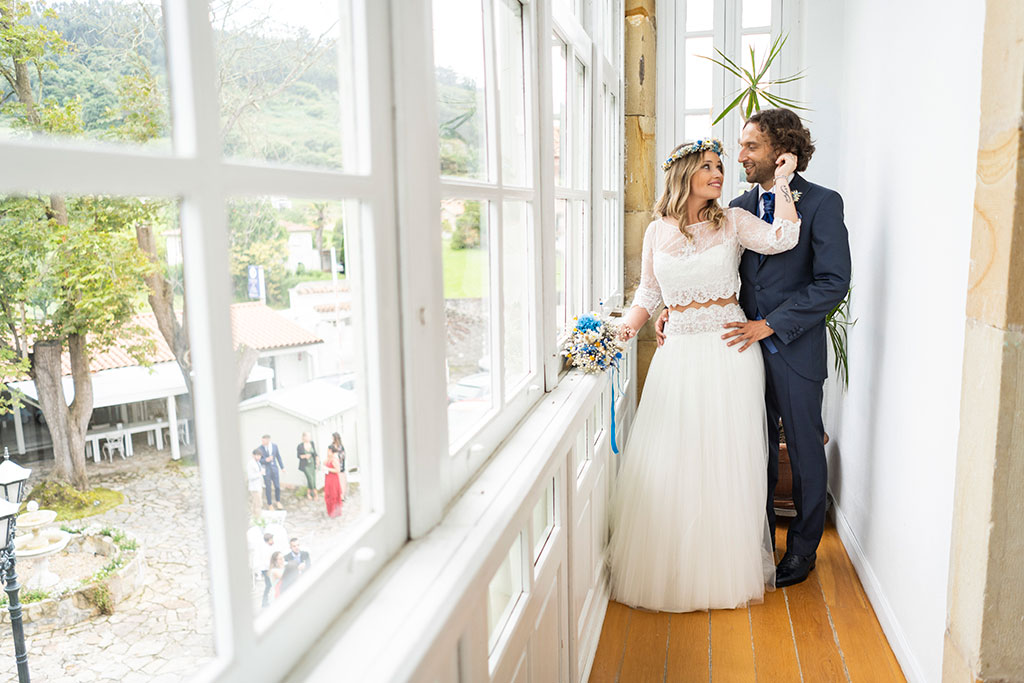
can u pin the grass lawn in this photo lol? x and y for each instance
(70, 503)
(465, 272)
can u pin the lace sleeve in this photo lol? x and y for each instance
(648, 293)
(756, 235)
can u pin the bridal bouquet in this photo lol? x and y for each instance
(593, 344)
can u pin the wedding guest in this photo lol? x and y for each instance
(297, 555)
(308, 464)
(254, 473)
(273, 465)
(332, 484)
(342, 476)
(276, 569)
(264, 557)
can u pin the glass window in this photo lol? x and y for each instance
(87, 75)
(757, 13)
(580, 149)
(460, 72)
(512, 87)
(465, 244)
(517, 294)
(559, 89)
(699, 72)
(543, 520)
(281, 98)
(561, 265)
(700, 15)
(504, 590)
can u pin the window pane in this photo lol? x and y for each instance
(280, 94)
(517, 293)
(543, 519)
(700, 15)
(89, 74)
(512, 78)
(464, 242)
(561, 270)
(581, 124)
(757, 13)
(136, 541)
(580, 227)
(297, 330)
(559, 86)
(697, 126)
(613, 170)
(459, 69)
(503, 591)
(760, 43)
(698, 72)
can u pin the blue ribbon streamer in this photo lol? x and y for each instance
(615, 377)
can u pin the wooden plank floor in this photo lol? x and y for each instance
(819, 631)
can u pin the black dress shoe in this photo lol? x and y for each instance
(793, 569)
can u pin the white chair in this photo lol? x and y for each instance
(114, 443)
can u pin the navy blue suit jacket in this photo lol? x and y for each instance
(271, 456)
(796, 289)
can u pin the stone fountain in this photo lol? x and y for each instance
(39, 544)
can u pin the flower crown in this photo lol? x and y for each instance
(705, 145)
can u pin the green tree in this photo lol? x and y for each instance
(467, 227)
(74, 273)
(257, 239)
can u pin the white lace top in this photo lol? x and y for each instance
(679, 270)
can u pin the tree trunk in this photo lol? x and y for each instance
(23, 87)
(161, 300)
(80, 409)
(246, 358)
(46, 373)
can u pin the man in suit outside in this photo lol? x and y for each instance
(297, 555)
(272, 463)
(786, 297)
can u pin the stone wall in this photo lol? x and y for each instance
(984, 638)
(640, 181)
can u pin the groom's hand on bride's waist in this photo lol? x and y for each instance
(749, 332)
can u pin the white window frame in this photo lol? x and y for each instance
(196, 172)
(727, 33)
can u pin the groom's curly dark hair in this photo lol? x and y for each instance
(787, 133)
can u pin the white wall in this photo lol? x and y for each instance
(895, 88)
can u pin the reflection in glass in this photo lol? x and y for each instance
(85, 72)
(757, 13)
(464, 242)
(504, 590)
(459, 70)
(698, 72)
(278, 67)
(512, 80)
(559, 92)
(517, 291)
(700, 15)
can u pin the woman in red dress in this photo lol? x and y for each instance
(332, 483)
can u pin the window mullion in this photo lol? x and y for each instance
(497, 213)
(195, 107)
(546, 187)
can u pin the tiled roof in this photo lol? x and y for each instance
(320, 287)
(253, 324)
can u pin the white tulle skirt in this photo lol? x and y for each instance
(689, 530)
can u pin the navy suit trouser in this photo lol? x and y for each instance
(797, 400)
(272, 478)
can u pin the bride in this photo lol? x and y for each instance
(689, 530)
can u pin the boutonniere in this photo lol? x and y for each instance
(796, 196)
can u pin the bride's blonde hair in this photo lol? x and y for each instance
(672, 203)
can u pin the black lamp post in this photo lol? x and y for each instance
(12, 487)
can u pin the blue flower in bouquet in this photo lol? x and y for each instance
(588, 323)
(593, 344)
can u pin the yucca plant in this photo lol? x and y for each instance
(756, 86)
(755, 90)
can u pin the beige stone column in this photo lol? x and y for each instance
(640, 162)
(985, 620)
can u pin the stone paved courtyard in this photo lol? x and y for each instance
(163, 633)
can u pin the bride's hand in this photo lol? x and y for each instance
(785, 164)
(626, 332)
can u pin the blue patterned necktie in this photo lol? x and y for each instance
(768, 203)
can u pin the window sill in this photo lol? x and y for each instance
(389, 630)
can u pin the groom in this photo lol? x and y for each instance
(786, 298)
